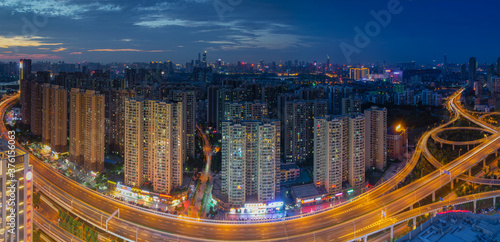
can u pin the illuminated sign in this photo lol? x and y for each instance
(29, 175)
(339, 194)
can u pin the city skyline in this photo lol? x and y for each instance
(178, 30)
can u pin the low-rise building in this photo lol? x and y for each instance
(289, 172)
(397, 140)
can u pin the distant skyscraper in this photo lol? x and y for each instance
(24, 70)
(205, 64)
(328, 153)
(376, 137)
(498, 66)
(472, 69)
(359, 73)
(356, 151)
(249, 161)
(16, 196)
(154, 144)
(463, 72)
(87, 129)
(25, 89)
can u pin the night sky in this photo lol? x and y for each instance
(247, 30)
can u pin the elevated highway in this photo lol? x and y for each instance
(332, 224)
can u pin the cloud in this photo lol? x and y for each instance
(23, 41)
(60, 49)
(125, 50)
(126, 40)
(29, 56)
(44, 48)
(68, 8)
(155, 21)
(218, 42)
(75, 53)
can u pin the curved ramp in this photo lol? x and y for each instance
(435, 136)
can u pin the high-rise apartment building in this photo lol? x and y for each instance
(328, 153)
(154, 145)
(356, 151)
(87, 129)
(16, 187)
(249, 161)
(245, 111)
(55, 117)
(298, 126)
(36, 108)
(351, 105)
(115, 119)
(376, 137)
(188, 99)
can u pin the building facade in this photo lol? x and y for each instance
(87, 132)
(328, 155)
(154, 145)
(376, 137)
(250, 165)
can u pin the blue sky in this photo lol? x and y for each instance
(152, 30)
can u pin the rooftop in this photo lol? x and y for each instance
(308, 190)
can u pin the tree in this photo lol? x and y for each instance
(36, 199)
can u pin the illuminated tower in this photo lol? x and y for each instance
(25, 89)
(205, 59)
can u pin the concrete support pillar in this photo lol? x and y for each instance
(411, 207)
(484, 162)
(441, 145)
(451, 184)
(468, 148)
(414, 222)
(392, 232)
(470, 172)
(475, 206)
(365, 238)
(494, 201)
(433, 196)
(453, 146)
(496, 153)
